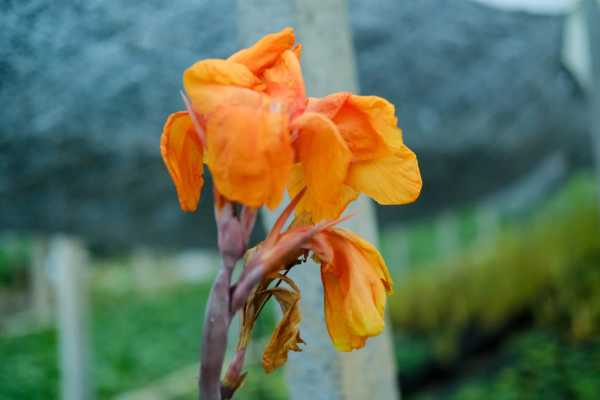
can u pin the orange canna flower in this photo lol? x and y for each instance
(242, 107)
(347, 145)
(356, 282)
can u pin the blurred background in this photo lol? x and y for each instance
(497, 265)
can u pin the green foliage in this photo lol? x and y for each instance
(537, 365)
(547, 266)
(14, 258)
(138, 339)
(135, 340)
(29, 367)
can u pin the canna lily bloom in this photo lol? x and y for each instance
(238, 124)
(356, 282)
(349, 144)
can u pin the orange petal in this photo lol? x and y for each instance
(367, 123)
(249, 153)
(381, 115)
(284, 82)
(298, 51)
(310, 210)
(209, 83)
(182, 153)
(394, 179)
(325, 160)
(355, 281)
(328, 105)
(343, 338)
(371, 253)
(266, 51)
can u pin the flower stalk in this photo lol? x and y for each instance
(233, 236)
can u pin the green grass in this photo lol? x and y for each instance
(135, 339)
(138, 339)
(28, 367)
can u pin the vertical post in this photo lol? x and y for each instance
(40, 284)
(320, 372)
(592, 18)
(68, 260)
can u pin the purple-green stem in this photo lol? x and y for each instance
(233, 236)
(214, 335)
(225, 300)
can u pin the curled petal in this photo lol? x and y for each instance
(325, 159)
(329, 105)
(219, 72)
(182, 153)
(322, 152)
(249, 153)
(266, 51)
(311, 209)
(367, 123)
(394, 179)
(284, 82)
(371, 254)
(286, 336)
(381, 116)
(210, 83)
(356, 282)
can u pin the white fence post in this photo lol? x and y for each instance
(68, 260)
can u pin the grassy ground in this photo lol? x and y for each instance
(135, 340)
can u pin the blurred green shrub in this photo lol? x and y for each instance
(548, 266)
(14, 260)
(537, 365)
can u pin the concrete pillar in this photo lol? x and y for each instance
(320, 372)
(68, 260)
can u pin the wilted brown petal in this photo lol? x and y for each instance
(286, 336)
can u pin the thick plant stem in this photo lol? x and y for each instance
(214, 335)
(233, 236)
